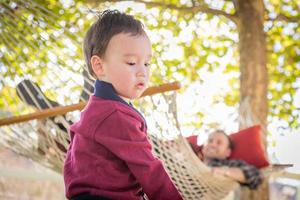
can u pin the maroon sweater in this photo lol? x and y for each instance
(110, 155)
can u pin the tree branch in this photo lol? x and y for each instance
(196, 8)
(282, 17)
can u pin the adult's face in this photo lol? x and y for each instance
(217, 146)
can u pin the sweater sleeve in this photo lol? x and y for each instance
(124, 137)
(252, 175)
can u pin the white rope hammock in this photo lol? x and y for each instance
(46, 140)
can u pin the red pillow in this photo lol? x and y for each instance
(247, 146)
(193, 142)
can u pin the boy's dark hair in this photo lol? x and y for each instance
(109, 23)
(230, 142)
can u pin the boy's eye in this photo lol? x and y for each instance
(147, 64)
(131, 63)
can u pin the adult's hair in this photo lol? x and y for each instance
(230, 142)
(109, 23)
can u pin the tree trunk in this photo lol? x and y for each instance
(254, 76)
(253, 59)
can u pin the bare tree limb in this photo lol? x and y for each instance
(194, 9)
(282, 17)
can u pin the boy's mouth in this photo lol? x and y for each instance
(140, 85)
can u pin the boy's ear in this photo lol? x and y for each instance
(97, 65)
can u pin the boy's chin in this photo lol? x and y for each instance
(135, 97)
(138, 95)
(130, 98)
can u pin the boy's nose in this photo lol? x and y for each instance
(142, 71)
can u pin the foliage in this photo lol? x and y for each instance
(187, 36)
(284, 61)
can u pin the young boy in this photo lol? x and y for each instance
(109, 155)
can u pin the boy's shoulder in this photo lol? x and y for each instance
(101, 108)
(98, 109)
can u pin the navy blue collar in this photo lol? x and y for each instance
(106, 91)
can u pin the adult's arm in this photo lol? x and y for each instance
(231, 172)
(240, 171)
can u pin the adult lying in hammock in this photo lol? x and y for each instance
(215, 153)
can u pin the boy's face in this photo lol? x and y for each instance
(126, 64)
(217, 146)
